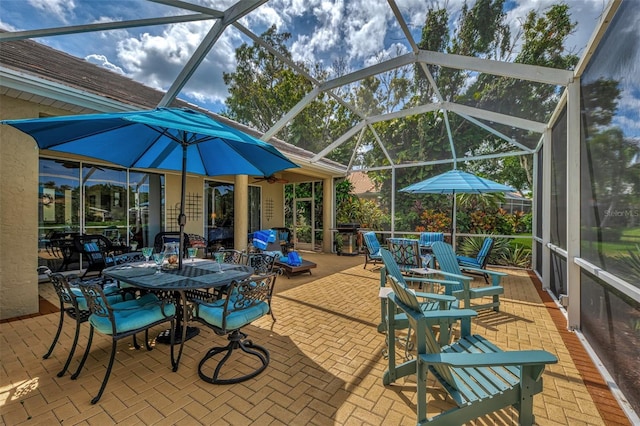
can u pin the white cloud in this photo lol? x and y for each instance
(62, 9)
(102, 61)
(365, 27)
(8, 27)
(156, 60)
(324, 36)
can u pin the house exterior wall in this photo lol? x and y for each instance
(194, 208)
(19, 210)
(273, 195)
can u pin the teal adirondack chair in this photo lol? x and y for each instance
(480, 261)
(451, 270)
(479, 377)
(430, 301)
(372, 254)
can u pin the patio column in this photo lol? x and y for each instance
(19, 217)
(328, 209)
(241, 211)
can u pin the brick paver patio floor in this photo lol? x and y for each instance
(326, 366)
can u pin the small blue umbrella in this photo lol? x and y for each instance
(456, 182)
(176, 139)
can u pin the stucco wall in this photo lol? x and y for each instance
(275, 193)
(195, 214)
(18, 211)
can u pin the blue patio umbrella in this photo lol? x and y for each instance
(456, 182)
(176, 139)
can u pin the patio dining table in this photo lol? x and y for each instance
(197, 275)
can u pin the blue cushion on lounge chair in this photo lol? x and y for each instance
(469, 260)
(133, 314)
(262, 238)
(428, 238)
(294, 259)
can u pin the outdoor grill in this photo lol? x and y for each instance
(347, 233)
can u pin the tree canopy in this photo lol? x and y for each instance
(263, 89)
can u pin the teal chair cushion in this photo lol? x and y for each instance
(133, 314)
(213, 315)
(428, 238)
(373, 246)
(113, 296)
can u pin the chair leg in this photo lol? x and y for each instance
(114, 344)
(271, 311)
(57, 336)
(135, 342)
(146, 340)
(73, 348)
(237, 340)
(84, 356)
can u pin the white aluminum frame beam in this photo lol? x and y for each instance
(535, 73)
(573, 202)
(483, 114)
(447, 161)
(342, 139)
(190, 6)
(297, 108)
(235, 12)
(495, 132)
(102, 26)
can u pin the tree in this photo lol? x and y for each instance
(262, 89)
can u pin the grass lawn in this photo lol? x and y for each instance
(524, 241)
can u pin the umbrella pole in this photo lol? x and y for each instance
(453, 222)
(182, 218)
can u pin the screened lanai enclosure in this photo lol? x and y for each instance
(450, 90)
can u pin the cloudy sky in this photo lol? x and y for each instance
(357, 31)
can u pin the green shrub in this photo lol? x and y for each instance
(470, 246)
(519, 257)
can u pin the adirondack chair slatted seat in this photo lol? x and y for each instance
(451, 270)
(478, 376)
(480, 261)
(429, 301)
(372, 254)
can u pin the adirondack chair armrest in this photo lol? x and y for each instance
(416, 280)
(435, 296)
(495, 275)
(450, 314)
(455, 276)
(508, 358)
